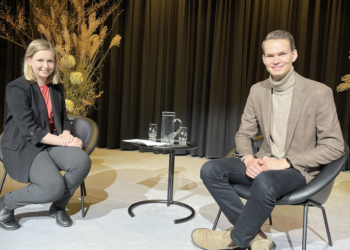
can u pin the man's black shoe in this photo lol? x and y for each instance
(7, 219)
(62, 218)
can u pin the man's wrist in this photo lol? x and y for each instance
(247, 159)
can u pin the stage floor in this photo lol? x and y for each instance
(120, 178)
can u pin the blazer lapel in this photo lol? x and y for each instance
(55, 111)
(40, 102)
(266, 107)
(295, 109)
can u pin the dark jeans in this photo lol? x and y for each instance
(267, 188)
(47, 183)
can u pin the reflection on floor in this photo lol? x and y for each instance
(120, 178)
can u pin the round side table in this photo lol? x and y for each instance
(169, 201)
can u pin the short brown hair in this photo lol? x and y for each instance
(34, 47)
(280, 34)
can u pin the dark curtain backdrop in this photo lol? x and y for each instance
(199, 58)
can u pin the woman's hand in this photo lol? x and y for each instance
(76, 142)
(66, 137)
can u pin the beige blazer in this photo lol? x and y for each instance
(314, 137)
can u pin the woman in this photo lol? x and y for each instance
(37, 143)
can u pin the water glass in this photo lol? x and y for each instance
(183, 136)
(152, 131)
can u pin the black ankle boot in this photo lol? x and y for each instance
(62, 218)
(7, 219)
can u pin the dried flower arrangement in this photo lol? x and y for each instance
(77, 36)
(346, 84)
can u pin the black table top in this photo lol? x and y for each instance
(189, 146)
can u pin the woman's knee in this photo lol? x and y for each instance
(53, 191)
(80, 160)
(85, 162)
(81, 164)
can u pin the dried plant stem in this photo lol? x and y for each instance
(104, 56)
(346, 84)
(13, 41)
(114, 21)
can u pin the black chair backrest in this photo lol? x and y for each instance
(259, 139)
(85, 129)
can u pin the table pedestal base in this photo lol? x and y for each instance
(169, 199)
(168, 203)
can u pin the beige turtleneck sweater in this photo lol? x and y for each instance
(281, 102)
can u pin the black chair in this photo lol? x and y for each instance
(315, 193)
(83, 128)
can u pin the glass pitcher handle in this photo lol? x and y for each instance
(178, 131)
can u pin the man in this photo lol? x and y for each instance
(298, 119)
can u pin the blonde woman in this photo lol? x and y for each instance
(37, 143)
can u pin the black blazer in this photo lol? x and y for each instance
(27, 123)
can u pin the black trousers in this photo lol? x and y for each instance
(46, 182)
(267, 188)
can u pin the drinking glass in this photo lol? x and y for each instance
(183, 136)
(152, 131)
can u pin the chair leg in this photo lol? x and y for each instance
(84, 188)
(3, 180)
(217, 219)
(82, 200)
(326, 225)
(325, 221)
(270, 219)
(306, 206)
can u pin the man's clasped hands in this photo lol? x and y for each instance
(256, 166)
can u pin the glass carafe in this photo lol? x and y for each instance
(168, 127)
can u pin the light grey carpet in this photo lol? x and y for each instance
(120, 178)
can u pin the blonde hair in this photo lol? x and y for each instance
(34, 47)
